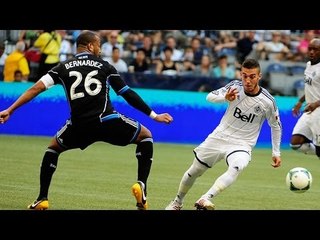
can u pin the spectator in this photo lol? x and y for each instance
(157, 45)
(197, 50)
(223, 70)
(66, 49)
(187, 67)
(16, 61)
(116, 61)
(245, 46)
(205, 67)
(18, 77)
(29, 37)
(188, 54)
(139, 64)
(3, 57)
(204, 70)
(226, 44)
(147, 45)
(274, 49)
(49, 43)
(176, 53)
(107, 47)
(167, 66)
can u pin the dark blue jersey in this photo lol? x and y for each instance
(86, 79)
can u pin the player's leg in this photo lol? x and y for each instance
(302, 144)
(47, 168)
(144, 155)
(188, 179)
(49, 163)
(237, 161)
(207, 154)
(302, 135)
(315, 128)
(121, 130)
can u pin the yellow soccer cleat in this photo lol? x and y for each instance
(42, 204)
(139, 194)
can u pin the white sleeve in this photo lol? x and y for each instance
(47, 80)
(217, 95)
(276, 131)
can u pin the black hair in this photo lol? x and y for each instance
(168, 49)
(17, 72)
(250, 63)
(85, 38)
(141, 50)
(222, 56)
(115, 48)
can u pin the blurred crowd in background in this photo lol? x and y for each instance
(192, 60)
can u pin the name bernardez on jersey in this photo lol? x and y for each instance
(87, 80)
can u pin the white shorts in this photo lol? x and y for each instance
(308, 125)
(212, 150)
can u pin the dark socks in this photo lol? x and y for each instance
(144, 153)
(48, 167)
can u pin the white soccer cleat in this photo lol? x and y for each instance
(204, 204)
(174, 205)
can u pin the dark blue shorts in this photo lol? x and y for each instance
(115, 129)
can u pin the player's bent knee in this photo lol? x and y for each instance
(238, 167)
(197, 169)
(239, 161)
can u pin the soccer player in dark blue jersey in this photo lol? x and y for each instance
(87, 79)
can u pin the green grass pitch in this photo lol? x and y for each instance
(101, 176)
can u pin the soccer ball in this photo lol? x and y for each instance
(299, 179)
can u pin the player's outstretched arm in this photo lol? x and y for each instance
(163, 117)
(27, 96)
(137, 102)
(222, 95)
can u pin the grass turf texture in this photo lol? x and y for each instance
(100, 178)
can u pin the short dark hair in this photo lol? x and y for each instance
(222, 56)
(115, 48)
(251, 63)
(168, 49)
(85, 38)
(141, 50)
(17, 72)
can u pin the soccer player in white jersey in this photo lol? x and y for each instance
(235, 136)
(306, 133)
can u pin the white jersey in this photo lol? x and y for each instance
(243, 119)
(312, 82)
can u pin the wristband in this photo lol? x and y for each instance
(153, 115)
